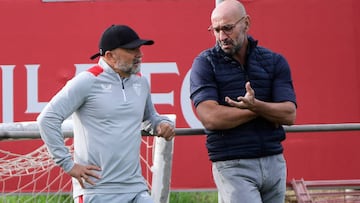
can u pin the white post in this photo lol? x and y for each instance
(162, 167)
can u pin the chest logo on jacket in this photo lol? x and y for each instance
(106, 87)
(137, 88)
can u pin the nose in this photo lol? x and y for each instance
(222, 35)
(139, 53)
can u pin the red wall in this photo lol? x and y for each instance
(319, 38)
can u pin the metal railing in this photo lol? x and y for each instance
(29, 130)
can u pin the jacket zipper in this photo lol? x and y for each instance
(123, 89)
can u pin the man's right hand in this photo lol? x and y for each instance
(83, 173)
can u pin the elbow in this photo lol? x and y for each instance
(290, 119)
(40, 119)
(209, 123)
(289, 122)
(209, 126)
(290, 114)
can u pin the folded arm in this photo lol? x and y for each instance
(218, 117)
(283, 113)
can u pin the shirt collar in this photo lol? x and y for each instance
(105, 66)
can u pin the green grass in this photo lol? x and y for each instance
(193, 197)
(175, 197)
(37, 199)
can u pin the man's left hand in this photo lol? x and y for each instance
(165, 130)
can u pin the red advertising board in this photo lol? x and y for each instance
(45, 44)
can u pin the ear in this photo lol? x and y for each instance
(247, 23)
(108, 56)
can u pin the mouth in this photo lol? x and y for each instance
(137, 62)
(226, 45)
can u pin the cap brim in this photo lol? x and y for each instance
(95, 56)
(137, 43)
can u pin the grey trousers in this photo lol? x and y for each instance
(259, 180)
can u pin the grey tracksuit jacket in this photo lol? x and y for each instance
(107, 113)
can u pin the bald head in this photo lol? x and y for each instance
(230, 24)
(228, 9)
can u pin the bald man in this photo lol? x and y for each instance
(243, 95)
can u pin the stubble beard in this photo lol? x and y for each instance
(236, 47)
(128, 68)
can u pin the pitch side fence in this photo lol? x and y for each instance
(29, 130)
(18, 131)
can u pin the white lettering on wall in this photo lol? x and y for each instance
(147, 69)
(7, 92)
(186, 104)
(33, 105)
(160, 68)
(81, 67)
